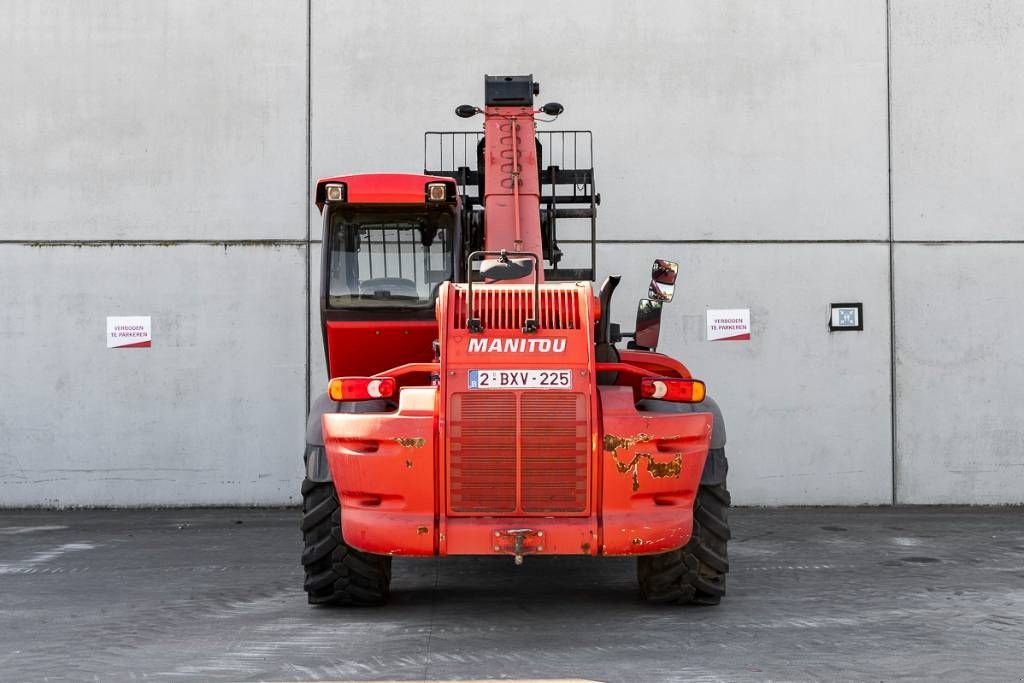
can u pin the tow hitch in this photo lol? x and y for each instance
(518, 542)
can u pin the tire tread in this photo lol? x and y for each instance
(335, 572)
(695, 573)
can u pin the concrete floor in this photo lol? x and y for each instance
(852, 594)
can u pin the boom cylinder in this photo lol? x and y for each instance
(511, 168)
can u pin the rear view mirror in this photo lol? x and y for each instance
(663, 281)
(648, 324)
(506, 268)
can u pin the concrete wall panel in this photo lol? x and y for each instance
(153, 120)
(726, 122)
(957, 119)
(807, 411)
(212, 413)
(712, 120)
(959, 373)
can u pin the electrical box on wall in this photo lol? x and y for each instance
(846, 317)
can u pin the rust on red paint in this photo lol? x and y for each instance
(658, 470)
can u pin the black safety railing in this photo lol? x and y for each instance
(566, 180)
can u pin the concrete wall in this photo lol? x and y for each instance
(751, 140)
(152, 162)
(958, 215)
(210, 414)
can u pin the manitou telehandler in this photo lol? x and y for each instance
(478, 404)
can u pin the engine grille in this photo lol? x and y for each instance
(542, 468)
(508, 307)
(483, 452)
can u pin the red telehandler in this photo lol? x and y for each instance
(478, 403)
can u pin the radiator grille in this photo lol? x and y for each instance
(550, 465)
(483, 452)
(553, 434)
(507, 307)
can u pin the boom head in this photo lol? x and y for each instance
(510, 91)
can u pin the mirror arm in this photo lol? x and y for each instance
(615, 334)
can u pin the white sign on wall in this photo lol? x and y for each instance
(728, 324)
(129, 332)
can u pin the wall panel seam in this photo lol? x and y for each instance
(302, 242)
(306, 195)
(883, 242)
(157, 243)
(892, 295)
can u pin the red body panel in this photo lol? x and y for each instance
(383, 465)
(501, 443)
(363, 348)
(549, 535)
(651, 468)
(575, 471)
(658, 363)
(380, 188)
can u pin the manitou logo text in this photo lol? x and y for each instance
(516, 345)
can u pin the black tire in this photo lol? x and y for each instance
(694, 574)
(336, 573)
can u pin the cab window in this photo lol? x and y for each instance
(388, 258)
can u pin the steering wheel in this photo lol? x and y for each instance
(395, 286)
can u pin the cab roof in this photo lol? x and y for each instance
(381, 188)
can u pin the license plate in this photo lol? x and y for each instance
(520, 379)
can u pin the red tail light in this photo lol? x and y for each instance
(669, 389)
(360, 388)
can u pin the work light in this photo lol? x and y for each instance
(437, 192)
(335, 192)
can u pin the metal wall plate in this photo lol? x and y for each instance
(846, 317)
